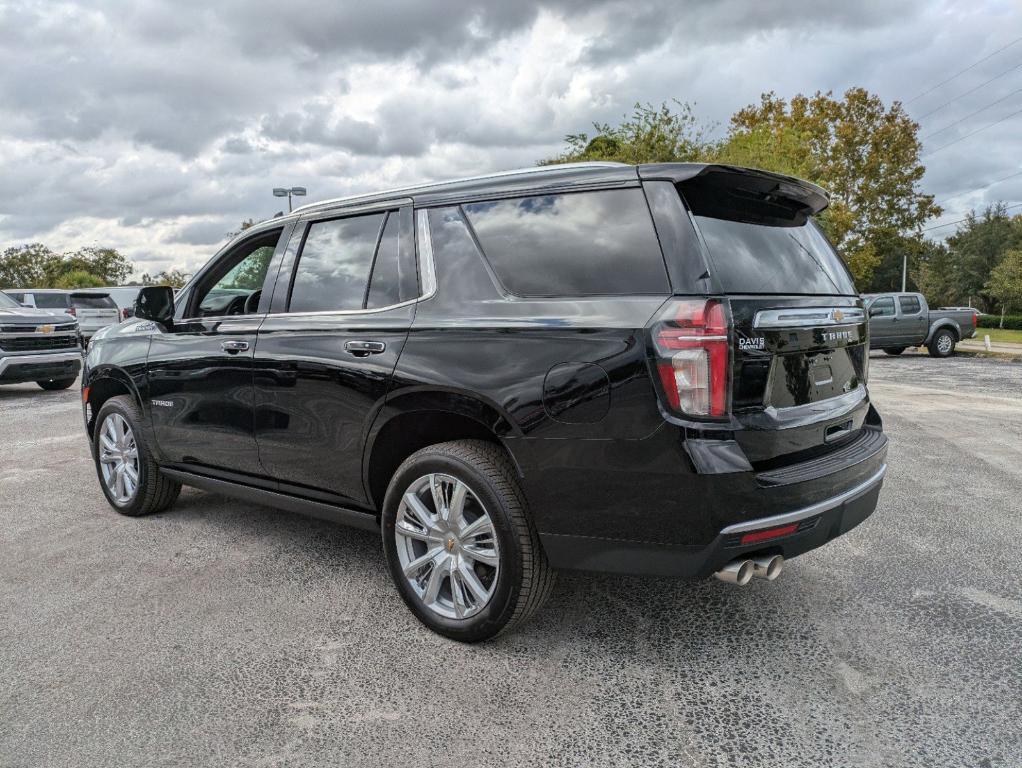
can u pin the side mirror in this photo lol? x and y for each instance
(156, 303)
(874, 312)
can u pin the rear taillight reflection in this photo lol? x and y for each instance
(691, 342)
(72, 311)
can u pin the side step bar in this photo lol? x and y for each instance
(365, 520)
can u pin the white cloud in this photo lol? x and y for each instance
(151, 126)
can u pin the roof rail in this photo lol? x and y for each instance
(427, 185)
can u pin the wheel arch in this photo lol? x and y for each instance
(939, 325)
(103, 384)
(417, 419)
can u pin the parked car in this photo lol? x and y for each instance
(94, 309)
(653, 370)
(123, 296)
(901, 320)
(38, 345)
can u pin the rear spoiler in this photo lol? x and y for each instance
(800, 196)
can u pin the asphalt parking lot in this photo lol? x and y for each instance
(222, 634)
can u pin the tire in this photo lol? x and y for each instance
(153, 492)
(522, 579)
(53, 384)
(942, 344)
(894, 350)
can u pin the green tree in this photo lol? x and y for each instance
(175, 278)
(78, 278)
(649, 135)
(939, 279)
(866, 154)
(1005, 282)
(978, 246)
(26, 266)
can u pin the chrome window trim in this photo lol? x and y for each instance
(807, 317)
(424, 244)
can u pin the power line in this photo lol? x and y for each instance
(971, 114)
(963, 71)
(971, 90)
(979, 189)
(952, 223)
(973, 133)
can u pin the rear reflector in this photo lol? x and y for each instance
(691, 342)
(768, 533)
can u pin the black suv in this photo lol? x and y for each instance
(651, 370)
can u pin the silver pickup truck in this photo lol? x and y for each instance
(901, 320)
(40, 345)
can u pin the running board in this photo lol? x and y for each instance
(335, 514)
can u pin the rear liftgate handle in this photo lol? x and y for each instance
(364, 348)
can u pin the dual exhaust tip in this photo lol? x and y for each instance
(741, 572)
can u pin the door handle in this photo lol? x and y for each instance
(233, 346)
(363, 348)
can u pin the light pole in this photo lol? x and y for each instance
(287, 192)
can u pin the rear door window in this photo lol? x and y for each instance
(909, 305)
(393, 279)
(335, 263)
(577, 244)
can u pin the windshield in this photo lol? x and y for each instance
(764, 258)
(7, 302)
(92, 301)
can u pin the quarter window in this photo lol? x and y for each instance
(580, 244)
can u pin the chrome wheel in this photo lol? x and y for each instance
(944, 343)
(447, 546)
(118, 458)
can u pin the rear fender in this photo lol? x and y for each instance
(937, 325)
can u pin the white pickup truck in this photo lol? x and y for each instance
(40, 345)
(901, 320)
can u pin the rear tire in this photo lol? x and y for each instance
(471, 599)
(53, 384)
(894, 350)
(118, 442)
(942, 344)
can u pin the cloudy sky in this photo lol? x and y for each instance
(157, 126)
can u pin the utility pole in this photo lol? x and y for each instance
(904, 270)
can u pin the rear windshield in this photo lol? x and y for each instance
(763, 258)
(90, 301)
(51, 300)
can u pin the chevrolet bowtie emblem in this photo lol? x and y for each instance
(838, 315)
(45, 329)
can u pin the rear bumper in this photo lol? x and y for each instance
(817, 524)
(33, 367)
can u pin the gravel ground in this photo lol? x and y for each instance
(222, 634)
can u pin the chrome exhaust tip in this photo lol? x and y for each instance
(736, 572)
(768, 568)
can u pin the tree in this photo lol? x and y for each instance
(939, 279)
(78, 279)
(175, 278)
(650, 135)
(1005, 282)
(864, 153)
(978, 246)
(26, 266)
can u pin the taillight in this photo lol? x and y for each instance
(690, 338)
(124, 314)
(72, 311)
(974, 316)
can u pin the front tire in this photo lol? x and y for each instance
(942, 344)
(54, 384)
(459, 542)
(128, 474)
(894, 350)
